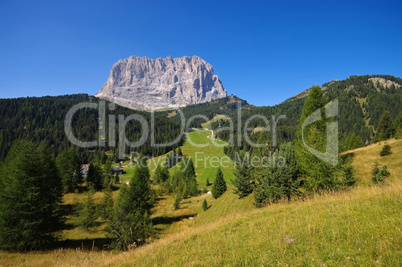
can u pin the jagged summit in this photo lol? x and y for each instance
(144, 84)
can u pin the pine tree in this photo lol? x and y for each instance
(69, 168)
(353, 141)
(176, 204)
(317, 174)
(219, 186)
(107, 204)
(189, 170)
(87, 211)
(258, 151)
(108, 174)
(398, 126)
(379, 176)
(278, 182)
(95, 177)
(385, 128)
(386, 150)
(348, 173)
(161, 174)
(188, 180)
(243, 181)
(131, 223)
(30, 195)
(205, 205)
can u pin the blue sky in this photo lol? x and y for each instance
(263, 51)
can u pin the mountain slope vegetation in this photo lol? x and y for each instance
(348, 218)
(360, 226)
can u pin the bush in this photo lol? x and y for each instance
(379, 176)
(386, 150)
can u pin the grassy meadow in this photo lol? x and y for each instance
(357, 227)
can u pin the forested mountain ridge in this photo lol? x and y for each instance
(41, 119)
(362, 100)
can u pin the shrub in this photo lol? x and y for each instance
(379, 176)
(386, 150)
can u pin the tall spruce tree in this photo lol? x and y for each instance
(69, 168)
(205, 205)
(161, 174)
(87, 211)
(95, 177)
(188, 180)
(398, 126)
(107, 204)
(317, 174)
(243, 182)
(30, 195)
(219, 186)
(280, 181)
(131, 223)
(385, 128)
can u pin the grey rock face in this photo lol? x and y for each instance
(142, 83)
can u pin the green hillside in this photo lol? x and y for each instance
(311, 213)
(358, 227)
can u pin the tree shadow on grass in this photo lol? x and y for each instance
(170, 219)
(93, 244)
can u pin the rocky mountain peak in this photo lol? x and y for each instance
(144, 84)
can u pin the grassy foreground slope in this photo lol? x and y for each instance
(361, 226)
(358, 227)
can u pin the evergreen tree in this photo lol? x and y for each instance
(188, 180)
(95, 177)
(317, 174)
(219, 186)
(243, 181)
(349, 179)
(205, 205)
(189, 170)
(258, 151)
(385, 128)
(108, 173)
(69, 168)
(379, 176)
(87, 211)
(398, 126)
(176, 204)
(161, 174)
(278, 181)
(107, 204)
(131, 223)
(353, 141)
(30, 195)
(386, 150)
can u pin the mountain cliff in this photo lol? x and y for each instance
(142, 83)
